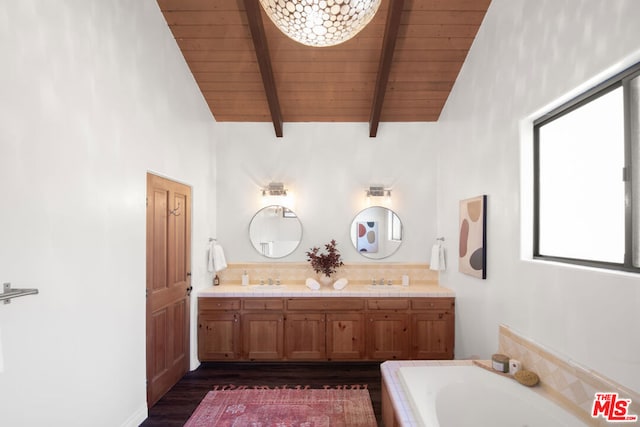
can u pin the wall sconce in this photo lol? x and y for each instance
(276, 194)
(274, 189)
(378, 192)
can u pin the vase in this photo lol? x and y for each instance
(325, 280)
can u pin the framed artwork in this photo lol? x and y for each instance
(473, 237)
(367, 240)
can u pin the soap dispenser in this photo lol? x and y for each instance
(245, 278)
(216, 280)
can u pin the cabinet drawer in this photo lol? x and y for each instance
(263, 304)
(388, 304)
(218, 304)
(325, 304)
(432, 304)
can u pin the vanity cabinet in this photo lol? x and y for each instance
(262, 336)
(432, 328)
(324, 329)
(430, 336)
(345, 336)
(305, 336)
(388, 325)
(331, 328)
(218, 329)
(262, 329)
(388, 336)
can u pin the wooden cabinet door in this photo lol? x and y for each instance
(218, 336)
(305, 336)
(388, 336)
(263, 336)
(345, 336)
(432, 335)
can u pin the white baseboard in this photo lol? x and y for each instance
(137, 417)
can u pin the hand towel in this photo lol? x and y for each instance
(340, 283)
(437, 258)
(219, 261)
(312, 284)
(210, 266)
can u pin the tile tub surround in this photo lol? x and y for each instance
(295, 273)
(570, 385)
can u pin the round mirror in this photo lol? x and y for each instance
(275, 231)
(376, 232)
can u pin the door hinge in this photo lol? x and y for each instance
(625, 174)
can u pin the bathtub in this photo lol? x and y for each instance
(458, 396)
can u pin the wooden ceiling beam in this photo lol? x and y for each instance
(264, 62)
(384, 67)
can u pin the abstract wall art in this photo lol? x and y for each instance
(368, 236)
(473, 237)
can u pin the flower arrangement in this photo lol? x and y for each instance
(325, 263)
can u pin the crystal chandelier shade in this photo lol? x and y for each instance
(320, 22)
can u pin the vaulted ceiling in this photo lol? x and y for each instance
(400, 68)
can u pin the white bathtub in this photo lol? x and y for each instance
(459, 396)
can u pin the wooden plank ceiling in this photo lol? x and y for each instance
(329, 84)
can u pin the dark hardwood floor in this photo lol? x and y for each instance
(175, 408)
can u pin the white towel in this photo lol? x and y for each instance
(437, 258)
(340, 283)
(312, 284)
(210, 266)
(216, 260)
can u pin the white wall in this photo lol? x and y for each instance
(95, 93)
(527, 55)
(327, 167)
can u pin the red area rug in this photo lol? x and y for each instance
(285, 408)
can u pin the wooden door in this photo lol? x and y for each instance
(168, 284)
(345, 336)
(388, 336)
(263, 336)
(432, 335)
(305, 336)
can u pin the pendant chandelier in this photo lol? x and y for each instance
(320, 22)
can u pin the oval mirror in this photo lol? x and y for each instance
(275, 231)
(376, 232)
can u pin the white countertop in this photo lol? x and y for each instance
(297, 290)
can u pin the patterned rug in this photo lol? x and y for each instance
(297, 407)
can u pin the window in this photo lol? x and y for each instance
(587, 177)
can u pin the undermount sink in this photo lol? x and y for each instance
(267, 287)
(384, 287)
